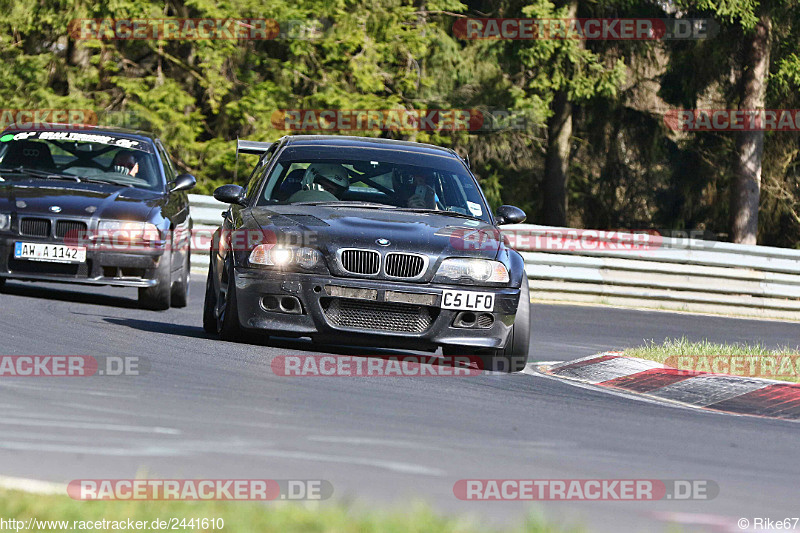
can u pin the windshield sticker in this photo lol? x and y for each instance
(78, 137)
(475, 209)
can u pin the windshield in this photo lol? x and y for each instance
(381, 178)
(96, 157)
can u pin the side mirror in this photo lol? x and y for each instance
(230, 194)
(508, 214)
(184, 182)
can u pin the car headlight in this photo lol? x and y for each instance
(5, 221)
(285, 256)
(128, 231)
(457, 270)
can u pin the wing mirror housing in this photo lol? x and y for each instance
(184, 182)
(230, 194)
(508, 214)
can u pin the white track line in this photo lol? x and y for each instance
(34, 486)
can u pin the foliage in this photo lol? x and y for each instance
(627, 169)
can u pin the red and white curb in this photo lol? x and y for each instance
(718, 392)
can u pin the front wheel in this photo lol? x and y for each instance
(514, 356)
(228, 325)
(157, 298)
(179, 296)
(210, 302)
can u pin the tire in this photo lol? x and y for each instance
(210, 303)
(514, 356)
(179, 295)
(157, 298)
(2, 283)
(228, 326)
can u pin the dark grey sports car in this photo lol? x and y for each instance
(368, 241)
(94, 205)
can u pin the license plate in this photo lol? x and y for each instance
(54, 253)
(468, 300)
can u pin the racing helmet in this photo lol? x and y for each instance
(123, 162)
(318, 173)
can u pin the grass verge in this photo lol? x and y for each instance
(241, 517)
(738, 359)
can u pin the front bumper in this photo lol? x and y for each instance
(319, 319)
(121, 269)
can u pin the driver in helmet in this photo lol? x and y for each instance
(416, 189)
(125, 163)
(322, 182)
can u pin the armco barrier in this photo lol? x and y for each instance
(676, 274)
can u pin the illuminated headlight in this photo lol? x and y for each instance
(129, 231)
(281, 256)
(473, 270)
(5, 221)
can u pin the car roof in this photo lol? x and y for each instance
(122, 132)
(365, 142)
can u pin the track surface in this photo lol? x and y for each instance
(211, 409)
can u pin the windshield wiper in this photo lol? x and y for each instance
(104, 182)
(60, 176)
(36, 172)
(441, 212)
(348, 203)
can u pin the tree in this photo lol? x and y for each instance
(746, 186)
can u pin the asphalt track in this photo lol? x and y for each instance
(212, 409)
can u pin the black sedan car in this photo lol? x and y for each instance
(368, 241)
(94, 205)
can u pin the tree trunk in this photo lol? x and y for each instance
(556, 163)
(559, 132)
(746, 186)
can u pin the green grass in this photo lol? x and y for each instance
(753, 360)
(254, 517)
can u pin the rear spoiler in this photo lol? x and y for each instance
(248, 147)
(252, 147)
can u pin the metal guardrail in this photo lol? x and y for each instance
(630, 269)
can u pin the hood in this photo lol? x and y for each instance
(35, 197)
(331, 228)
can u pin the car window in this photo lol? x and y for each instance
(96, 156)
(166, 162)
(435, 183)
(257, 176)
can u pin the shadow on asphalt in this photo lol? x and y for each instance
(290, 346)
(72, 296)
(155, 326)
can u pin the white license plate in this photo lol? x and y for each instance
(54, 253)
(468, 300)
